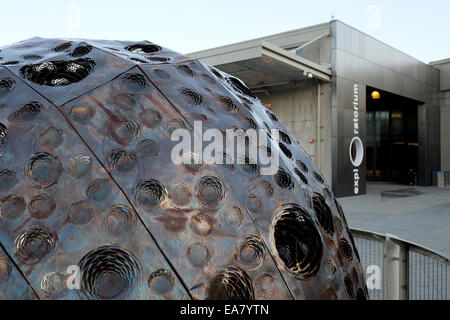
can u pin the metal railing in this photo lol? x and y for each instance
(401, 270)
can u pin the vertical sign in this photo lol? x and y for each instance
(356, 148)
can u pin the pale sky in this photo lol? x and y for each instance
(418, 28)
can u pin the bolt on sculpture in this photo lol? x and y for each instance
(87, 181)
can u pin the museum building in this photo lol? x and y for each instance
(363, 110)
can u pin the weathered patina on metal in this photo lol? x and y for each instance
(86, 180)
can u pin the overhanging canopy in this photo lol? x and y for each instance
(262, 64)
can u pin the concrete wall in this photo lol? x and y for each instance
(319, 51)
(444, 67)
(297, 108)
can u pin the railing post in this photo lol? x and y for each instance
(395, 262)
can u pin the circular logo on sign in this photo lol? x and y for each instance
(356, 151)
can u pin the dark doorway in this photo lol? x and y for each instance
(392, 139)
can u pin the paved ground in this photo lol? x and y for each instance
(417, 214)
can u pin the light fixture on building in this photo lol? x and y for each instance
(375, 95)
(307, 74)
(397, 115)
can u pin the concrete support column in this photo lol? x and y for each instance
(395, 269)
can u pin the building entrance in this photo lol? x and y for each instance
(392, 139)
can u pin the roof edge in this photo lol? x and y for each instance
(264, 38)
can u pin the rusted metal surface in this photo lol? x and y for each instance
(86, 179)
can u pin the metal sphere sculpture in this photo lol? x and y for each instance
(92, 207)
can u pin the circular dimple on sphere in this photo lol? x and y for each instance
(62, 47)
(185, 70)
(161, 74)
(271, 115)
(252, 123)
(208, 79)
(191, 97)
(5, 269)
(109, 272)
(360, 295)
(227, 104)
(180, 194)
(201, 224)
(150, 193)
(8, 179)
(355, 276)
(54, 285)
(28, 112)
(240, 87)
(268, 188)
(198, 255)
(284, 179)
(329, 294)
(12, 207)
(122, 131)
(318, 177)
(125, 101)
(6, 86)
(265, 285)
(119, 222)
(352, 240)
(161, 282)
(210, 192)
(301, 176)
(251, 253)
(81, 212)
(175, 124)
(254, 203)
(43, 169)
(81, 51)
(323, 213)
(297, 241)
(302, 166)
(285, 137)
(51, 138)
(82, 114)
(41, 206)
(330, 266)
(231, 216)
(138, 60)
(158, 59)
(135, 82)
(122, 161)
(349, 286)
(143, 48)
(231, 283)
(150, 118)
(79, 166)
(3, 132)
(35, 244)
(98, 190)
(338, 225)
(148, 148)
(345, 249)
(285, 150)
